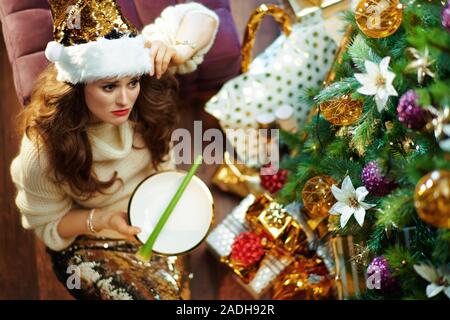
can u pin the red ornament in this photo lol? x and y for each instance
(275, 182)
(247, 249)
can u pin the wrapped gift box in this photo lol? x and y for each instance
(258, 279)
(222, 236)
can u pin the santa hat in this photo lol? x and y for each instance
(93, 40)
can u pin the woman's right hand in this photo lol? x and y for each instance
(114, 220)
(161, 56)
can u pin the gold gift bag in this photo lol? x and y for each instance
(350, 277)
(237, 178)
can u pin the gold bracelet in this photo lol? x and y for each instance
(191, 44)
(90, 225)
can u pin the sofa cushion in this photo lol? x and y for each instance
(22, 35)
(216, 4)
(129, 10)
(148, 11)
(10, 6)
(223, 61)
(26, 70)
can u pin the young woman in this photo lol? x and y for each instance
(99, 122)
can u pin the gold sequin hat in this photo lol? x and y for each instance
(93, 40)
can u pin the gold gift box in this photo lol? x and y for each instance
(304, 279)
(245, 273)
(286, 242)
(268, 217)
(282, 239)
(271, 220)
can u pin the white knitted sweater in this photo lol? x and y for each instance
(42, 203)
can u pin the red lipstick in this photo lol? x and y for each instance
(121, 113)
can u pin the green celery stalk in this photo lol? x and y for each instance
(145, 252)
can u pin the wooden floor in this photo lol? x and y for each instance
(25, 271)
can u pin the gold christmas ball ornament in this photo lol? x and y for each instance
(379, 18)
(343, 111)
(317, 196)
(432, 198)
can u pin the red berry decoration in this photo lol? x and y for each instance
(274, 182)
(247, 249)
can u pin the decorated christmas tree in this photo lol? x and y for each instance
(373, 162)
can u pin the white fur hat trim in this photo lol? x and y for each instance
(101, 59)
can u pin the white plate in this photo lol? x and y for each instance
(190, 221)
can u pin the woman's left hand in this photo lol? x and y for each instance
(163, 56)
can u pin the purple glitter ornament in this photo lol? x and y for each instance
(410, 113)
(380, 275)
(374, 182)
(446, 16)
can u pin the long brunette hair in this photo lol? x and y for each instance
(57, 118)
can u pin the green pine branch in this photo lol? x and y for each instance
(404, 155)
(365, 131)
(359, 51)
(397, 209)
(337, 90)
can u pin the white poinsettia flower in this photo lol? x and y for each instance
(350, 202)
(439, 279)
(377, 82)
(445, 144)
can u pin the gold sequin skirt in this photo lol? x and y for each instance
(107, 269)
